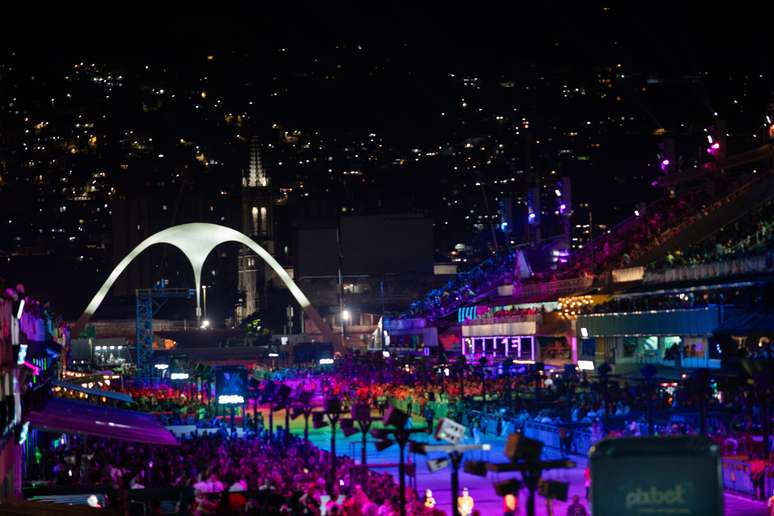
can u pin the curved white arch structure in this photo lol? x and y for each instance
(197, 240)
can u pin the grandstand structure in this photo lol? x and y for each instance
(688, 282)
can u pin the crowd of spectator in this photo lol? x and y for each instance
(263, 474)
(466, 286)
(637, 235)
(752, 235)
(677, 301)
(515, 312)
(619, 247)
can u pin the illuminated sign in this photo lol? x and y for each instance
(230, 399)
(586, 365)
(178, 376)
(231, 384)
(326, 361)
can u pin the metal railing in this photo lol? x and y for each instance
(567, 286)
(549, 436)
(689, 362)
(710, 270)
(736, 477)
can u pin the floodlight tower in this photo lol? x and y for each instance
(452, 433)
(394, 422)
(524, 454)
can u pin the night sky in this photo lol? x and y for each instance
(702, 55)
(485, 36)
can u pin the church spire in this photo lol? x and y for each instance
(256, 175)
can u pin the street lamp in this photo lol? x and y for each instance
(649, 373)
(204, 300)
(761, 373)
(569, 377)
(452, 433)
(345, 315)
(699, 386)
(524, 455)
(462, 363)
(604, 371)
(482, 362)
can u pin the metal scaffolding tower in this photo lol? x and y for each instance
(148, 302)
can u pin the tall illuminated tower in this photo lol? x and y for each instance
(257, 223)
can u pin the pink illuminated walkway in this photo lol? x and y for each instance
(481, 488)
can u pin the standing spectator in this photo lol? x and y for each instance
(565, 440)
(465, 503)
(510, 505)
(576, 508)
(587, 481)
(476, 431)
(757, 475)
(429, 414)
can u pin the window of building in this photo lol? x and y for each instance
(264, 221)
(694, 347)
(254, 224)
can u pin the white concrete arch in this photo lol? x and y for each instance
(197, 240)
